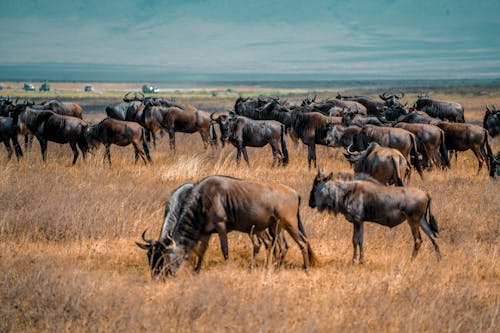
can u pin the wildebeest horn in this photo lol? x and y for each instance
(126, 97)
(232, 114)
(385, 96)
(171, 241)
(400, 95)
(212, 116)
(350, 151)
(149, 241)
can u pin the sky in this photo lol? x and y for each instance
(342, 38)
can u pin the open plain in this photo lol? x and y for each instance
(68, 261)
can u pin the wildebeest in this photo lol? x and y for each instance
(174, 119)
(397, 138)
(312, 129)
(121, 133)
(63, 108)
(8, 133)
(49, 126)
(172, 103)
(333, 106)
(462, 137)
(440, 109)
(418, 117)
(351, 118)
(387, 165)
(267, 108)
(430, 141)
(222, 204)
(361, 200)
(173, 210)
(244, 132)
(491, 120)
(246, 106)
(374, 108)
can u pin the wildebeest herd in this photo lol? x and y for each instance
(384, 141)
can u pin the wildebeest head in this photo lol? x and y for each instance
(222, 118)
(391, 99)
(318, 185)
(352, 156)
(157, 253)
(131, 97)
(91, 135)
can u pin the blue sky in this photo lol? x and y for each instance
(379, 38)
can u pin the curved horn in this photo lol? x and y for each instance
(350, 151)
(149, 241)
(400, 95)
(126, 97)
(212, 116)
(385, 96)
(232, 114)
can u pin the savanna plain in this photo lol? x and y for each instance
(68, 261)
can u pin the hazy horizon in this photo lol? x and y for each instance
(342, 39)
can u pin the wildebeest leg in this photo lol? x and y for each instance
(417, 238)
(171, 135)
(6, 142)
(72, 144)
(17, 147)
(107, 154)
(357, 241)
(245, 155)
(220, 227)
(479, 157)
(139, 152)
(425, 226)
(256, 242)
(204, 239)
(301, 242)
(311, 154)
(43, 147)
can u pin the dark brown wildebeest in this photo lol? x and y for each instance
(351, 118)
(430, 141)
(361, 200)
(168, 103)
(374, 108)
(333, 106)
(244, 132)
(418, 117)
(47, 126)
(173, 210)
(387, 165)
(440, 109)
(491, 120)
(462, 137)
(121, 133)
(222, 204)
(311, 128)
(8, 133)
(174, 119)
(63, 108)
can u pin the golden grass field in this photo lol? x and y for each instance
(68, 261)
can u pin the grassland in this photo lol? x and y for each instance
(68, 261)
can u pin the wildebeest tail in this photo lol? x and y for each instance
(399, 180)
(313, 260)
(490, 157)
(283, 146)
(444, 151)
(145, 145)
(430, 218)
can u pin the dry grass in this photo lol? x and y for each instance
(68, 259)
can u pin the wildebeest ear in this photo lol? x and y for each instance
(143, 246)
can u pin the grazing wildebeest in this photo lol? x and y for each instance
(312, 129)
(430, 141)
(387, 165)
(361, 200)
(440, 109)
(47, 126)
(244, 132)
(462, 137)
(222, 204)
(174, 119)
(173, 210)
(8, 133)
(63, 108)
(121, 133)
(491, 120)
